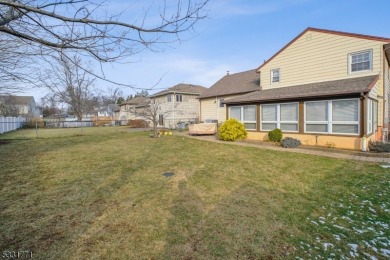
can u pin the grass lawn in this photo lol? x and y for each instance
(103, 195)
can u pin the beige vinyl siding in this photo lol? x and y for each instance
(316, 57)
(207, 109)
(210, 108)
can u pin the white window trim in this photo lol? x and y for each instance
(242, 116)
(350, 61)
(271, 79)
(330, 121)
(278, 121)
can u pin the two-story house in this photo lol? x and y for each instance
(127, 109)
(18, 106)
(178, 104)
(325, 88)
(212, 107)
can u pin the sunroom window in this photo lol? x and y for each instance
(245, 114)
(282, 116)
(332, 116)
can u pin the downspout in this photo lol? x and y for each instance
(174, 98)
(363, 122)
(217, 106)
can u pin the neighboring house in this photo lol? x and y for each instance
(107, 111)
(230, 86)
(325, 88)
(178, 104)
(127, 110)
(18, 106)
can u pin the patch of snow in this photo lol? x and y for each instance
(326, 245)
(385, 252)
(340, 227)
(353, 251)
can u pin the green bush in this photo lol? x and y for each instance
(232, 130)
(290, 142)
(275, 135)
(379, 147)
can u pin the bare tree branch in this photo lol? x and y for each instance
(43, 30)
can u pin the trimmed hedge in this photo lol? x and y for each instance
(275, 135)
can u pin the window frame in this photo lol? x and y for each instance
(370, 52)
(372, 116)
(329, 122)
(169, 98)
(179, 97)
(242, 116)
(272, 76)
(278, 121)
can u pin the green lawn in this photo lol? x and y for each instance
(103, 195)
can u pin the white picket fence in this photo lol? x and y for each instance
(8, 124)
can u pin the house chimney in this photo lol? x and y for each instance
(227, 72)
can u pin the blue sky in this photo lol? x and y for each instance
(239, 35)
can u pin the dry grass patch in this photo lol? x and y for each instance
(103, 195)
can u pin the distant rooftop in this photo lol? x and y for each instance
(230, 84)
(182, 89)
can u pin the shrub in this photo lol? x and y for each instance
(35, 122)
(379, 147)
(232, 130)
(275, 135)
(137, 123)
(290, 142)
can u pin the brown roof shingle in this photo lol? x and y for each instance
(183, 89)
(312, 90)
(134, 101)
(238, 83)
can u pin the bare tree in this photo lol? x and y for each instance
(32, 30)
(152, 112)
(71, 85)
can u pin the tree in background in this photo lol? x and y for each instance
(142, 93)
(120, 101)
(72, 85)
(37, 31)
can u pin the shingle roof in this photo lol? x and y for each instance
(182, 88)
(242, 82)
(134, 101)
(313, 90)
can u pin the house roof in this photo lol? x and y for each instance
(238, 83)
(314, 90)
(361, 36)
(183, 89)
(18, 100)
(134, 101)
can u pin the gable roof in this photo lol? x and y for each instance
(356, 35)
(238, 83)
(17, 100)
(134, 101)
(182, 89)
(314, 90)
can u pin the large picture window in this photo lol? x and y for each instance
(244, 114)
(282, 116)
(332, 116)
